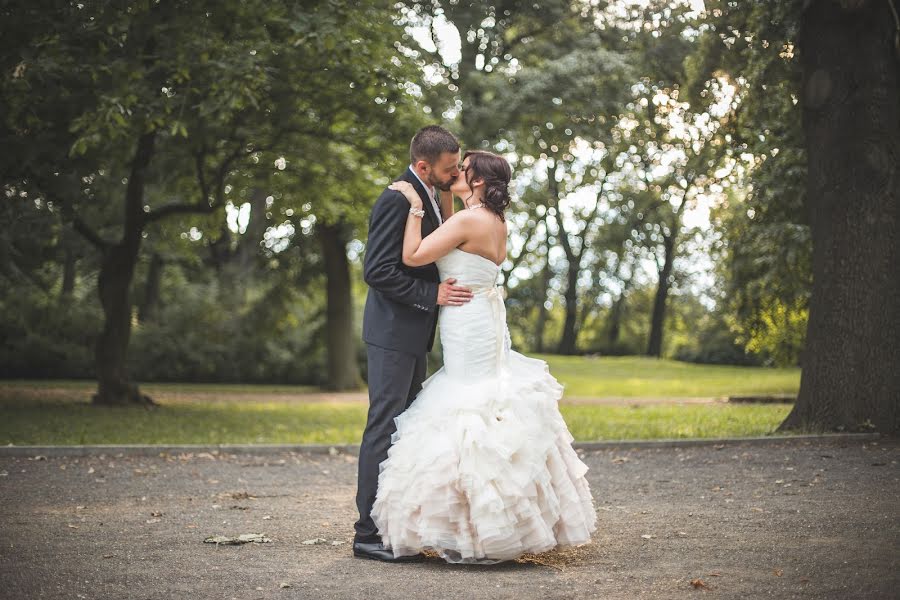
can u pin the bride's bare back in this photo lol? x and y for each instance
(485, 233)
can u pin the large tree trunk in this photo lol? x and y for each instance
(658, 320)
(150, 303)
(343, 371)
(851, 117)
(116, 272)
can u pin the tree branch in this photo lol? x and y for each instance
(89, 234)
(172, 209)
(554, 193)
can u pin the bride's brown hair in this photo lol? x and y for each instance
(496, 173)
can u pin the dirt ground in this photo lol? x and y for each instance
(787, 519)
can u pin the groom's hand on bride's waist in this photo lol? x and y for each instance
(453, 295)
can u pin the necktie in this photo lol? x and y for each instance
(437, 206)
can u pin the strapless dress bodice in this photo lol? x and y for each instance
(474, 336)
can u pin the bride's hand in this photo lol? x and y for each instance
(409, 191)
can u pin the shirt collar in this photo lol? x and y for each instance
(427, 187)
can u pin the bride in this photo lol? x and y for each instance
(481, 467)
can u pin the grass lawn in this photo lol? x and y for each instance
(61, 423)
(31, 415)
(626, 376)
(635, 376)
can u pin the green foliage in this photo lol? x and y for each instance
(45, 336)
(781, 333)
(199, 338)
(764, 248)
(709, 340)
(301, 113)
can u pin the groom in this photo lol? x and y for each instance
(400, 316)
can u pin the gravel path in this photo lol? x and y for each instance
(794, 519)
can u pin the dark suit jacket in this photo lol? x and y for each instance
(401, 307)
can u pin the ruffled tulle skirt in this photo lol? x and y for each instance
(484, 471)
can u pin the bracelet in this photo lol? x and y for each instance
(417, 212)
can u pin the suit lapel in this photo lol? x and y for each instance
(423, 194)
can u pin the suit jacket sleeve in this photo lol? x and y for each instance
(382, 268)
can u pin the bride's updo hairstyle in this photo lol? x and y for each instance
(496, 173)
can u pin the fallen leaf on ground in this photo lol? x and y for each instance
(314, 541)
(778, 572)
(698, 583)
(244, 538)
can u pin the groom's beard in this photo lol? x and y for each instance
(441, 185)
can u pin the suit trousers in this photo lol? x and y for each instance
(395, 378)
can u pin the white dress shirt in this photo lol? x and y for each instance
(431, 191)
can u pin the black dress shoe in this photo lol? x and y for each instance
(377, 551)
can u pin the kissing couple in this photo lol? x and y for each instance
(474, 463)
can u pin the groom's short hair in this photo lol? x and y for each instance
(430, 142)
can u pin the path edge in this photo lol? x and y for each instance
(264, 449)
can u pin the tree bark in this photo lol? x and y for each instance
(851, 118)
(150, 304)
(343, 371)
(114, 282)
(658, 320)
(567, 343)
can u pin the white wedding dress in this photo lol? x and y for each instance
(481, 468)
